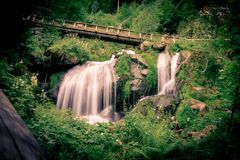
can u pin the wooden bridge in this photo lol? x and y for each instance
(106, 32)
(102, 32)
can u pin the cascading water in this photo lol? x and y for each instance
(90, 91)
(167, 68)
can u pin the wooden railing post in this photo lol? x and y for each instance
(140, 35)
(129, 33)
(107, 29)
(118, 31)
(151, 36)
(96, 28)
(74, 25)
(63, 23)
(85, 27)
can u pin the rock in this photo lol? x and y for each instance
(203, 133)
(146, 45)
(107, 112)
(185, 54)
(136, 71)
(44, 86)
(126, 51)
(117, 116)
(159, 46)
(139, 70)
(16, 140)
(162, 104)
(138, 59)
(144, 72)
(196, 135)
(198, 105)
(197, 88)
(53, 93)
(138, 81)
(135, 84)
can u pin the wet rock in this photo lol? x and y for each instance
(159, 46)
(135, 84)
(139, 70)
(138, 81)
(139, 60)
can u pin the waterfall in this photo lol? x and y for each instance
(167, 68)
(90, 91)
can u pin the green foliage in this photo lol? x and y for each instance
(64, 137)
(5, 75)
(54, 79)
(101, 50)
(196, 28)
(127, 89)
(39, 43)
(60, 9)
(151, 59)
(185, 115)
(69, 50)
(103, 19)
(144, 107)
(21, 94)
(173, 12)
(141, 21)
(123, 71)
(228, 78)
(214, 66)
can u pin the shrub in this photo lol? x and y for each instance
(64, 137)
(39, 43)
(196, 28)
(69, 50)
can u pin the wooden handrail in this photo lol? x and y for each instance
(109, 30)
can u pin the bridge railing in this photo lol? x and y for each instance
(110, 30)
(93, 28)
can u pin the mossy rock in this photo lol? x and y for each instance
(162, 105)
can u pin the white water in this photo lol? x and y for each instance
(90, 91)
(167, 68)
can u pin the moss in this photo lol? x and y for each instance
(151, 59)
(123, 71)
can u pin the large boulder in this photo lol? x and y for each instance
(139, 70)
(16, 140)
(162, 104)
